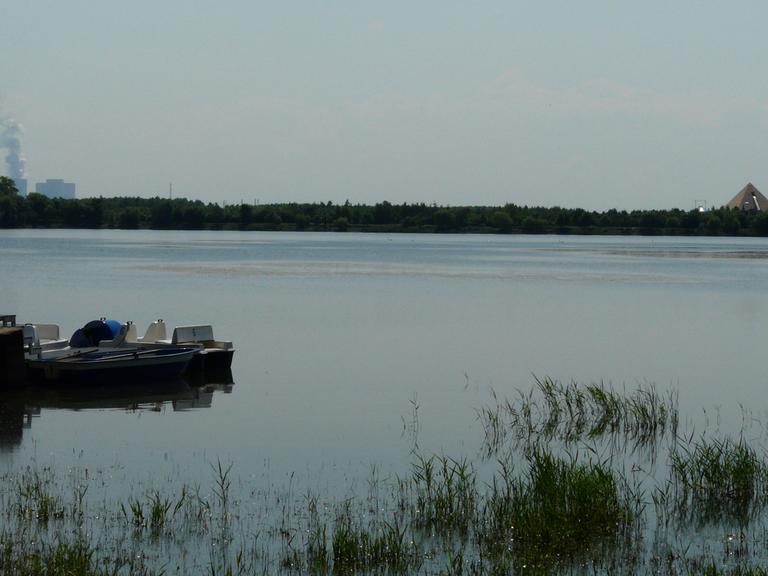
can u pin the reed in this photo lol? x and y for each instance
(572, 412)
(318, 561)
(714, 479)
(35, 498)
(159, 507)
(136, 515)
(549, 508)
(60, 559)
(356, 549)
(65, 558)
(222, 483)
(559, 509)
(446, 494)
(709, 567)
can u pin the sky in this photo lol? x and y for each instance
(596, 104)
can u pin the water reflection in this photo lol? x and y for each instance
(19, 406)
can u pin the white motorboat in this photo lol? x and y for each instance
(210, 355)
(214, 354)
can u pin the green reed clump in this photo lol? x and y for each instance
(709, 567)
(60, 559)
(571, 412)
(446, 493)
(718, 477)
(559, 511)
(35, 496)
(317, 549)
(159, 510)
(356, 549)
(317, 538)
(136, 515)
(76, 558)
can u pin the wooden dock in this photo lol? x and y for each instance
(12, 367)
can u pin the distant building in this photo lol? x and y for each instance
(56, 188)
(21, 185)
(749, 199)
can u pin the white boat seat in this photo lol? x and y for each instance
(155, 332)
(192, 334)
(30, 335)
(44, 336)
(131, 334)
(47, 331)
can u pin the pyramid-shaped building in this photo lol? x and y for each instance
(749, 199)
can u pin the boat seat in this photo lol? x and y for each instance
(131, 334)
(30, 336)
(47, 331)
(192, 334)
(45, 336)
(155, 332)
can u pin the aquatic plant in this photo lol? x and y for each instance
(558, 511)
(35, 498)
(716, 478)
(571, 412)
(136, 515)
(358, 549)
(64, 558)
(446, 493)
(222, 484)
(547, 507)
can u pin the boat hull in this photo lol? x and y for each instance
(117, 365)
(211, 360)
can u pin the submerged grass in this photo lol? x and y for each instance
(716, 479)
(357, 549)
(571, 412)
(559, 512)
(547, 508)
(35, 497)
(77, 558)
(446, 494)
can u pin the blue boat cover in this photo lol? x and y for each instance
(114, 327)
(90, 334)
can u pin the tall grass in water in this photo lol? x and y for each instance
(550, 515)
(718, 479)
(357, 549)
(559, 512)
(570, 412)
(64, 558)
(35, 496)
(538, 512)
(446, 494)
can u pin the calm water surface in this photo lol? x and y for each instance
(352, 349)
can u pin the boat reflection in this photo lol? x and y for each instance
(19, 406)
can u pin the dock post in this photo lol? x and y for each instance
(12, 368)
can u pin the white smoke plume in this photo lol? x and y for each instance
(10, 139)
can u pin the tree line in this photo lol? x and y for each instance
(38, 211)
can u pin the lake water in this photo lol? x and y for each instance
(353, 348)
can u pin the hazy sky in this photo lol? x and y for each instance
(597, 104)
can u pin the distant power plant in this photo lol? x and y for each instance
(10, 140)
(21, 185)
(55, 188)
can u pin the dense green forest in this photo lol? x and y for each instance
(37, 211)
